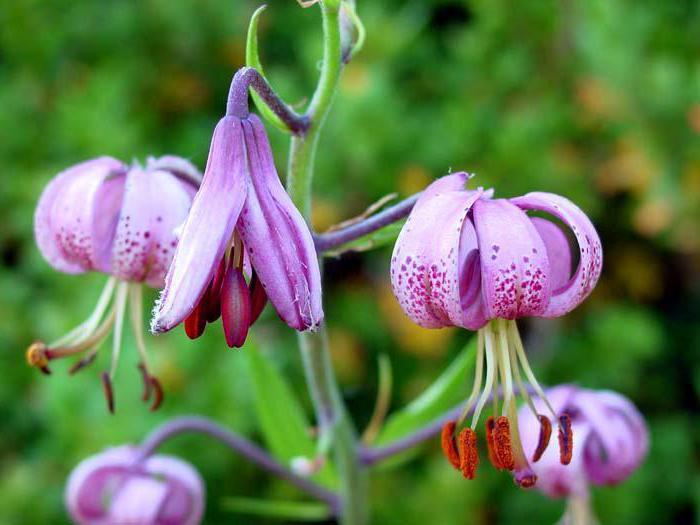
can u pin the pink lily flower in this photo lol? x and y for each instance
(241, 212)
(102, 215)
(612, 442)
(466, 259)
(111, 489)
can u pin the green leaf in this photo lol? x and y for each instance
(286, 510)
(282, 420)
(449, 389)
(252, 59)
(383, 237)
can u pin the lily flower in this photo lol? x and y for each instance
(241, 212)
(113, 488)
(612, 441)
(102, 215)
(466, 259)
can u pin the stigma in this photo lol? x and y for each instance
(83, 343)
(500, 365)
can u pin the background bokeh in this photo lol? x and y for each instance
(596, 100)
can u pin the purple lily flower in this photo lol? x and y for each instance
(110, 488)
(102, 215)
(466, 259)
(241, 212)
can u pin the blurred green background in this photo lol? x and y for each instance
(598, 100)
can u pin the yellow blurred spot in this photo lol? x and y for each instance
(348, 355)
(356, 79)
(691, 180)
(597, 99)
(324, 214)
(694, 118)
(686, 237)
(182, 91)
(653, 217)
(233, 52)
(637, 270)
(412, 338)
(629, 169)
(413, 178)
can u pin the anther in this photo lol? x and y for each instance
(85, 361)
(157, 393)
(525, 478)
(491, 443)
(502, 443)
(258, 298)
(566, 439)
(36, 357)
(447, 442)
(109, 393)
(146, 382)
(543, 440)
(469, 456)
(195, 323)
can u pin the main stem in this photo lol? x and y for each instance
(331, 414)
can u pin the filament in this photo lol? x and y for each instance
(119, 307)
(96, 338)
(504, 364)
(491, 370)
(477, 377)
(136, 311)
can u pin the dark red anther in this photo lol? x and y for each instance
(84, 362)
(525, 478)
(491, 443)
(195, 323)
(146, 382)
(235, 307)
(258, 298)
(502, 443)
(447, 442)
(468, 453)
(157, 391)
(109, 393)
(566, 439)
(543, 440)
(211, 301)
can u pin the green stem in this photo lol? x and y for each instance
(331, 414)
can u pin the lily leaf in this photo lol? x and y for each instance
(446, 392)
(252, 59)
(382, 237)
(286, 510)
(285, 428)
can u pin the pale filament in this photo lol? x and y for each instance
(136, 311)
(479, 364)
(491, 370)
(504, 366)
(86, 343)
(119, 308)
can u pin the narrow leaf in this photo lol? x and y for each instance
(383, 237)
(286, 510)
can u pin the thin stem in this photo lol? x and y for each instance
(328, 241)
(240, 445)
(237, 105)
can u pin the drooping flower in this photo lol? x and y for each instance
(612, 441)
(466, 259)
(102, 215)
(241, 212)
(114, 488)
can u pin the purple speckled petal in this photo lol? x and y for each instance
(76, 215)
(433, 253)
(278, 239)
(208, 229)
(155, 204)
(586, 275)
(558, 252)
(514, 265)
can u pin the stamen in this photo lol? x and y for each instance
(491, 371)
(158, 393)
(36, 357)
(258, 297)
(235, 307)
(543, 440)
(56, 352)
(566, 439)
(469, 456)
(447, 442)
(479, 366)
(195, 323)
(146, 382)
(108, 391)
(119, 308)
(502, 443)
(491, 442)
(210, 303)
(83, 363)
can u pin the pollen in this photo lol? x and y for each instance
(543, 440)
(108, 391)
(36, 356)
(502, 443)
(566, 439)
(491, 443)
(468, 454)
(449, 447)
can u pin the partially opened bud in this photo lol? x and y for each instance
(110, 488)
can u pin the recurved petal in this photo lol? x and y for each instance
(558, 252)
(448, 183)
(432, 252)
(514, 266)
(586, 275)
(208, 228)
(155, 204)
(277, 238)
(76, 215)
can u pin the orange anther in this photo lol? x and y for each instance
(491, 442)
(543, 440)
(566, 439)
(502, 443)
(36, 356)
(447, 441)
(158, 393)
(469, 456)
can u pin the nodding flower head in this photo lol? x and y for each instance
(115, 487)
(241, 213)
(102, 215)
(466, 259)
(612, 440)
